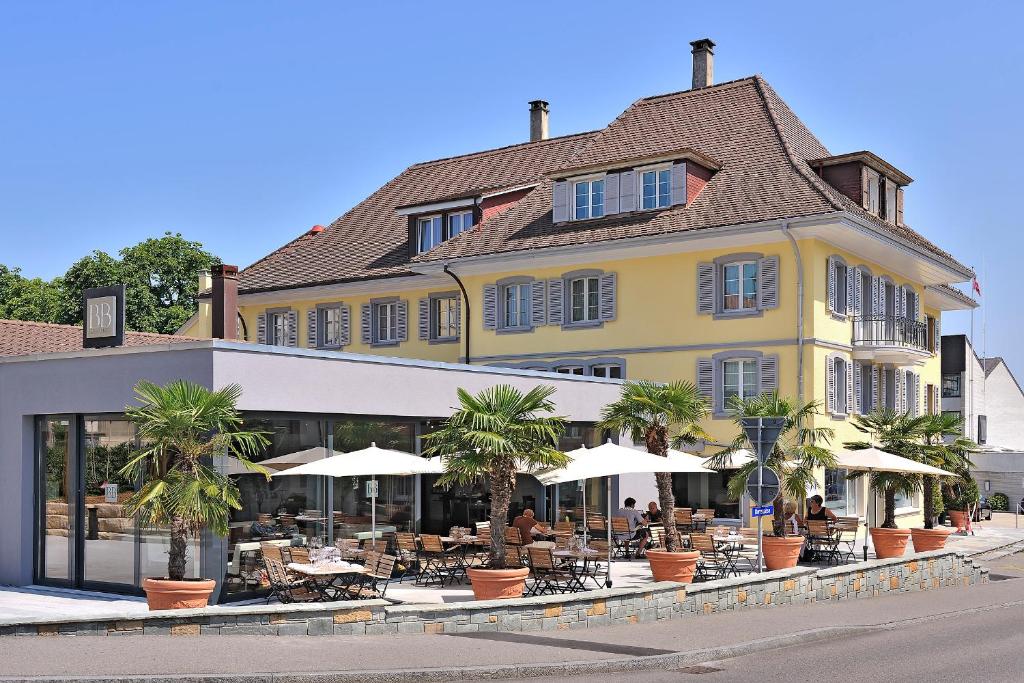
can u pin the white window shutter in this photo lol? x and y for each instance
(768, 282)
(850, 397)
(881, 388)
(627, 191)
(560, 201)
(311, 316)
(402, 328)
(537, 312)
(458, 316)
(901, 299)
(706, 288)
(489, 314)
(611, 193)
(556, 301)
(851, 291)
(915, 396)
(876, 286)
(608, 286)
(830, 384)
(865, 187)
(831, 284)
(261, 328)
(293, 328)
(366, 322)
(346, 324)
(679, 183)
(706, 377)
(769, 373)
(874, 390)
(424, 318)
(857, 300)
(855, 405)
(900, 407)
(899, 206)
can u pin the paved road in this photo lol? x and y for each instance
(973, 633)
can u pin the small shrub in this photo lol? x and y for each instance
(999, 501)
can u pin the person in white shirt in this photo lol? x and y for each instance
(637, 523)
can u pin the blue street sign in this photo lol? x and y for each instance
(762, 511)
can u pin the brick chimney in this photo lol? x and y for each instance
(538, 120)
(225, 301)
(703, 63)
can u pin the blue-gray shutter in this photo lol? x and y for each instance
(261, 328)
(293, 328)
(831, 284)
(706, 288)
(611, 193)
(607, 286)
(858, 390)
(537, 313)
(489, 315)
(560, 201)
(769, 373)
(311, 320)
(556, 302)
(458, 316)
(424, 318)
(346, 324)
(679, 183)
(706, 377)
(768, 282)
(898, 376)
(880, 396)
(402, 326)
(366, 322)
(876, 296)
(830, 384)
(849, 387)
(856, 302)
(627, 191)
(937, 340)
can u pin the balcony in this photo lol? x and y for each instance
(890, 339)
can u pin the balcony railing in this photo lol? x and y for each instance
(887, 330)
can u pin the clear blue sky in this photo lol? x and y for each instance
(242, 124)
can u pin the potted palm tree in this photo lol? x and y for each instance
(900, 434)
(181, 426)
(494, 435)
(944, 447)
(661, 415)
(798, 453)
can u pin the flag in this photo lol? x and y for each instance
(975, 287)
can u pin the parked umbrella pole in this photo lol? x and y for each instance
(867, 518)
(608, 528)
(584, 513)
(373, 511)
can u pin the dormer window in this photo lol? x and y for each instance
(588, 198)
(459, 223)
(655, 187)
(428, 233)
(872, 194)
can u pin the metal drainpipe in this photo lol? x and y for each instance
(465, 298)
(799, 313)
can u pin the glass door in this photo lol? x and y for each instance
(58, 500)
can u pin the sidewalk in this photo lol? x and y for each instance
(255, 658)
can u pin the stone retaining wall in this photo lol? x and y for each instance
(658, 601)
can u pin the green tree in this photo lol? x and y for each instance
(180, 425)
(944, 447)
(495, 434)
(24, 298)
(661, 415)
(798, 453)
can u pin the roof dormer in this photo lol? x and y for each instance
(867, 179)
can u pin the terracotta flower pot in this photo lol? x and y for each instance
(889, 542)
(679, 567)
(958, 518)
(781, 552)
(167, 594)
(929, 539)
(498, 584)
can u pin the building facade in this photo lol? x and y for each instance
(705, 235)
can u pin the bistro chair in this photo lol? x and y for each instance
(408, 551)
(378, 572)
(548, 576)
(657, 536)
(713, 563)
(846, 529)
(512, 536)
(299, 554)
(514, 557)
(436, 563)
(683, 517)
(597, 527)
(286, 588)
(623, 537)
(822, 540)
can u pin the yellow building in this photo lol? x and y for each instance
(705, 235)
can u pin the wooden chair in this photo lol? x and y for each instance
(436, 563)
(272, 551)
(709, 516)
(565, 528)
(286, 588)
(408, 551)
(657, 536)
(846, 530)
(822, 540)
(623, 537)
(512, 536)
(299, 554)
(514, 557)
(683, 517)
(597, 527)
(481, 526)
(378, 572)
(713, 563)
(548, 576)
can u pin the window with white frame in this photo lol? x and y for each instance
(444, 317)
(655, 188)
(739, 379)
(588, 198)
(607, 370)
(329, 326)
(428, 233)
(277, 328)
(385, 323)
(459, 223)
(739, 286)
(839, 374)
(584, 300)
(570, 370)
(840, 492)
(515, 308)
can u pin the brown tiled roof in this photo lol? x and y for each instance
(371, 240)
(21, 338)
(763, 149)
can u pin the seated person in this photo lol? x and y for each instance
(791, 519)
(527, 526)
(637, 523)
(653, 514)
(816, 509)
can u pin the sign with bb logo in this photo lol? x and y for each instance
(103, 317)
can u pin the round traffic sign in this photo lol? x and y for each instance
(770, 486)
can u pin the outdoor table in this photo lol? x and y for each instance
(585, 556)
(730, 545)
(326, 578)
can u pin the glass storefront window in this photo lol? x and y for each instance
(840, 493)
(59, 499)
(109, 548)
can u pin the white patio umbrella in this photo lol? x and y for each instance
(610, 459)
(737, 459)
(372, 462)
(876, 460)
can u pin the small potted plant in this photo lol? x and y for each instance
(962, 495)
(493, 435)
(181, 425)
(652, 412)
